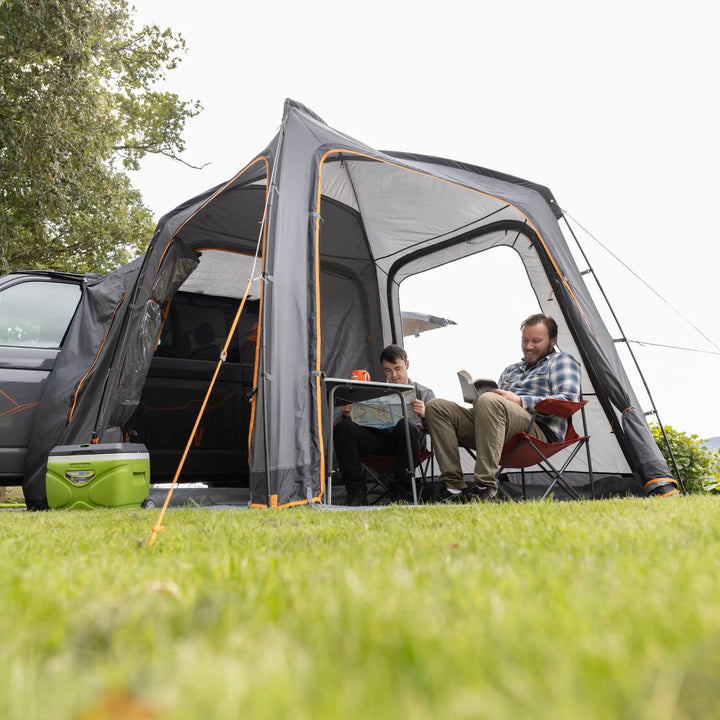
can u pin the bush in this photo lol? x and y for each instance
(699, 467)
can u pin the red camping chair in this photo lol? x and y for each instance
(523, 450)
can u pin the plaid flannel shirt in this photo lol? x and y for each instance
(557, 375)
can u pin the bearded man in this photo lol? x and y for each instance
(499, 414)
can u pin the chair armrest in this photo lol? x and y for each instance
(559, 408)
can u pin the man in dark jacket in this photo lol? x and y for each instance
(352, 440)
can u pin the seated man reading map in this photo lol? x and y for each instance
(352, 440)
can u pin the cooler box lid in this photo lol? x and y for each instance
(133, 449)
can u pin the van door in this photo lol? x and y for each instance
(35, 312)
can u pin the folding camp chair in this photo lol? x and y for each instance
(524, 450)
(379, 470)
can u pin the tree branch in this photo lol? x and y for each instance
(158, 151)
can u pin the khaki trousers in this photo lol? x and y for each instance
(486, 427)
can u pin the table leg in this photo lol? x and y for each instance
(329, 458)
(408, 445)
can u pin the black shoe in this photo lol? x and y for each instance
(400, 492)
(480, 493)
(447, 496)
(355, 497)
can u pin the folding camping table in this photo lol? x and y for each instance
(341, 391)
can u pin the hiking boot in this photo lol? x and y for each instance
(355, 496)
(448, 497)
(400, 492)
(480, 493)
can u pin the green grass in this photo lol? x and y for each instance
(606, 609)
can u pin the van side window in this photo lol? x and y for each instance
(36, 313)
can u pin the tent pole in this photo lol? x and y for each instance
(263, 377)
(623, 339)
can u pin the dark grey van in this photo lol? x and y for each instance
(35, 311)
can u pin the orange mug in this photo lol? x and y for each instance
(360, 375)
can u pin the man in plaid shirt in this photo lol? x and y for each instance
(499, 414)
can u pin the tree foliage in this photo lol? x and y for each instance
(78, 109)
(699, 467)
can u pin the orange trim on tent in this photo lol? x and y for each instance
(663, 479)
(674, 491)
(442, 180)
(162, 260)
(102, 344)
(569, 289)
(165, 314)
(295, 503)
(220, 191)
(318, 347)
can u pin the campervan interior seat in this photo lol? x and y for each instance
(205, 347)
(182, 347)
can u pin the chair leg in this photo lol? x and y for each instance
(587, 451)
(377, 480)
(557, 475)
(502, 491)
(427, 477)
(559, 480)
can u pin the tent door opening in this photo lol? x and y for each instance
(193, 335)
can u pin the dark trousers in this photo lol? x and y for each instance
(352, 441)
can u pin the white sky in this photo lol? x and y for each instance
(613, 106)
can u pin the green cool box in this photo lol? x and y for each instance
(102, 475)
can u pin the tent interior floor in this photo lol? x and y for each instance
(234, 497)
(216, 497)
(606, 486)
